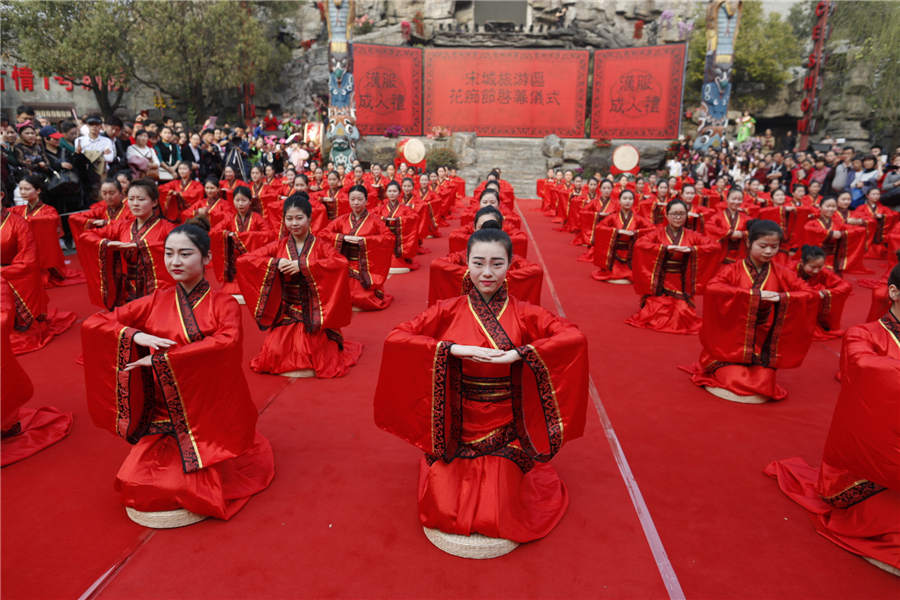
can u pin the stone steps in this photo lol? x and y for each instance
(520, 159)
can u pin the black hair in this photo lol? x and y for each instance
(298, 200)
(672, 203)
(147, 185)
(66, 126)
(333, 172)
(112, 181)
(126, 173)
(25, 108)
(489, 210)
(358, 188)
(301, 176)
(490, 191)
(491, 224)
(409, 179)
(827, 198)
(36, 181)
(758, 228)
(211, 179)
(140, 132)
(623, 192)
(490, 235)
(242, 190)
(196, 232)
(114, 121)
(893, 278)
(494, 173)
(393, 183)
(808, 253)
(492, 185)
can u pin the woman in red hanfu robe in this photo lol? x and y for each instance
(24, 431)
(653, 207)
(728, 226)
(409, 197)
(164, 372)
(266, 192)
(561, 192)
(490, 195)
(576, 202)
(335, 198)
(47, 229)
(229, 183)
(800, 198)
(448, 276)
(544, 186)
(759, 317)
(375, 183)
(879, 222)
(368, 245)
(854, 497)
(429, 206)
(697, 212)
(124, 259)
(581, 220)
(789, 216)
(614, 239)
(231, 239)
(177, 195)
(844, 246)
(459, 238)
(298, 288)
(403, 222)
(214, 206)
(670, 265)
(880, 303)
(34, 325)
(490, 388)
(111, 207)
(833, 291)
(504, 189)
(319, 209)
(754, 198)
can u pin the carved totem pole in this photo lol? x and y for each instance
(722, 19)
(341, 132)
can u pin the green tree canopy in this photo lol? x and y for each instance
(764, 51)
(72, 39)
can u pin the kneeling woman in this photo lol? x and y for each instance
(613, 241)
(164, 372)
(299, 287)
(759, 317)
(490, 388)
(832, 289)
(246, 231)
(669, 264)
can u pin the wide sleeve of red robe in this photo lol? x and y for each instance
(879, 223)
(418, 395)
(15, 385)
(608, 243)
(369, 258)
(324, 270)
(218, 211)
(846, 252)
(107, 269)
(720, 226)
(46, 227)
(21, 270)
(175, 198)
(834, 292)
(404, 224)
(449, 277)
(235, 238)
(728, 334)
(195, 390)
(79, 222)
(791, 222)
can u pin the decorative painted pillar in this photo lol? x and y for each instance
(722, 19)
(342, 131)
(812, 83)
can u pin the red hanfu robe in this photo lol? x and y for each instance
(428, 204)
(720, 227)
(190, 415)
(835, 292)
(80, 222)
(250, 233)
(844, 253)
(544, 187)
(791, 222)
(590, 216)
(303, 312)
(218, 210)
(369, 259)
(510, 218)
(374, 189)
(561, 193)
(507, 195)
(668, 281)
(403, 222)
(336, 202)
(651, 209)
(459, 238)
(25, 430)
(34, 325)
(449, 277)
(487, 430)
(612, 251)
(880, 221)
(116, 276)
(854, 497)
(228, 188)
(269, 196)
(176, 196)
(574, 204)
(47, 229)
(744, 338)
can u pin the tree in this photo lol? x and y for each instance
(200, 52)
(71, 40)
(765, 50)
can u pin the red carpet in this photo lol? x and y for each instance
(340, 518)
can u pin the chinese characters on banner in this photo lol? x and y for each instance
(24, 79)
(517, 93)
(388, 88)
(637, 92)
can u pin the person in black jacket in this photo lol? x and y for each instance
(211, 160)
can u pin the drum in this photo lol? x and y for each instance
(625, 159)
(412, 152)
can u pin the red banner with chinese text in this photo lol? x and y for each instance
(637, 92)
(506, 92)
(388, 88)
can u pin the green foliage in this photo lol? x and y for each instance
(441, 156)
(765, 49)
(71, 39)
(201, 52)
